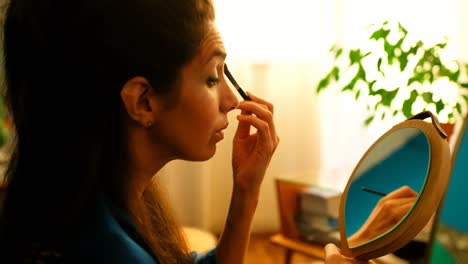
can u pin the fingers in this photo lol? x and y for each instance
(262, 110)
(261, 101)
(402, 192)
(333, 256)
(395, 209)
(331, 249)
(243, 130)
(262, 127)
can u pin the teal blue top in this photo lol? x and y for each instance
(110, 237)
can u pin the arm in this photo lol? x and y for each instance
(251, 156)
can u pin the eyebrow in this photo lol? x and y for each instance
(217, 53)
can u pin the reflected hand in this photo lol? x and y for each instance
(386, 214)
(333, 256)
(252, 152)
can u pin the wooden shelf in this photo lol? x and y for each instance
(296, 245)
(288, 238)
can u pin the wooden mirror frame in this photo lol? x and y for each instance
(425, 207)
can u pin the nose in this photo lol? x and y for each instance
(229, 100)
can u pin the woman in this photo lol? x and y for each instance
(103, 94)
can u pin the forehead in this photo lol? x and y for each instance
(211, 45)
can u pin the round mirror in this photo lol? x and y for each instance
(395, 188)
(390, 178)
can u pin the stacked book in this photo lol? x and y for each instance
(317, 215)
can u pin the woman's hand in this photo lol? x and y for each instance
(252, 152)
(251, 156)
(333, 256)
(386, 214)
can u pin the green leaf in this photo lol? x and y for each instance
(379, 65)
(368, 120)
(430, 76)
(459, 108)
(362, 73)
(323, 83)
(466, 98)
(416, 78)
(464, 85)
(335, 73)
(408, 104)
(427, 97)
(419, 44)
(355, 56)
(399, 43)
(395, 112)
(450, 116)
(371, 87)
(380, 33)
(413, 50)
(383, 116)
(358, 94)
(441, 45)
(402, 29)
(365, 55)
(390, 50)
(338, 53)
(439, 106)
(403, 58)
(351, 84)
(454, 75)
(387, 96)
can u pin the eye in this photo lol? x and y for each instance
(212, 81)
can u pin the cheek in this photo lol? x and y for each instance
(201, 127)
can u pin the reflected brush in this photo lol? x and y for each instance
(366, 189)
(233, 81)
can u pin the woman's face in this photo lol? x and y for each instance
(191, 128)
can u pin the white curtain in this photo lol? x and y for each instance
(279, 50)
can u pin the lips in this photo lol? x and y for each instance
(219, 134)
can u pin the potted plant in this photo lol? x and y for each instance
(397, 75)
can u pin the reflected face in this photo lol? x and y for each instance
(386, 185)
(191, 128)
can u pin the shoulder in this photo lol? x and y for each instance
(112, 248)
(108, 237)
(205, 258)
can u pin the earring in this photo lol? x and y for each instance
(149, 123)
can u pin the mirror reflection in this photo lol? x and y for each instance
(386, 184)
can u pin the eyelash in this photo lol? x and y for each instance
(212, 81)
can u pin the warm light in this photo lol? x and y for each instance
(266, 30)
(271, 30)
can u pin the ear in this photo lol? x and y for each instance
(140, 101)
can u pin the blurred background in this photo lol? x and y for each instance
(279, 50)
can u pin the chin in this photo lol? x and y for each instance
(202, 155)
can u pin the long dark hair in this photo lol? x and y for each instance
(65, 63)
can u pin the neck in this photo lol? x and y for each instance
(146, 159)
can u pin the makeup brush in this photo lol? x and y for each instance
(236, 85)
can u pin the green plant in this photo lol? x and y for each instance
(398, 75)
